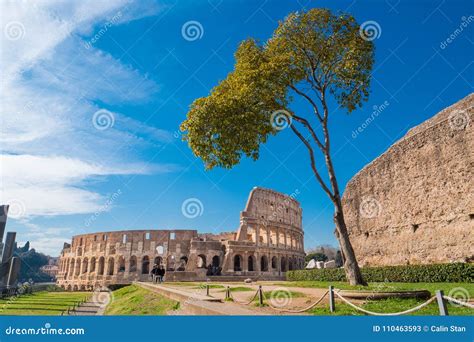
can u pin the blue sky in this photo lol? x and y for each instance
(128, 61)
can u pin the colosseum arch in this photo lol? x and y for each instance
(251, 263)
(283, 264)
(85, 265)
(170, 263)
(110, 266)
(158, 261)
(274, 263)
(133, 264)
(71, 269)
(182, 263)
(264, 263)
(145, 265)
(78, 267)
(263, 236)
(92, 266)
(101, 266)
(251, 234)
(216, 261)
(237, 263)
(291, 265)
(201, 261)
(121, 264)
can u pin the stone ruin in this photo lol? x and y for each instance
(9, 264)
(415, 203)
(321, 264)
(268, 242)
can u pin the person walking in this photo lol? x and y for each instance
(161, 273)
(154, 273)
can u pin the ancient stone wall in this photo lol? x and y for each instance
(414, 204)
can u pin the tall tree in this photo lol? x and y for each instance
(315, 55)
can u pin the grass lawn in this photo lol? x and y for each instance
(239, 289)
(134, 300)
(392, 304)
(211, 286)
(278, 295)
(181, 283)
(41, 303)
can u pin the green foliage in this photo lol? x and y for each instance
(309, 50)
(31, 262)
(240, 289)
(456, 272)
(316, 256)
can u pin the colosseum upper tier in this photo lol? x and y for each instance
(268, 242)
(415, 203)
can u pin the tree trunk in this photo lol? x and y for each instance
(351, 267)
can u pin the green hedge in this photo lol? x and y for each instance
(452, 273)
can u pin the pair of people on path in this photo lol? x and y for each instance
(157, 273)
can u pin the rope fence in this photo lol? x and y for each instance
(229, 295)
(439, 297)
(416, 308)
(300, 310)
(459, 302)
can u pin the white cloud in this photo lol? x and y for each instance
(45, 240)
(51, 84)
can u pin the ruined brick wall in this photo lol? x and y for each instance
(121, 257)
(414, 204)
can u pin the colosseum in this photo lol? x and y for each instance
(414, 204)
(268, 242)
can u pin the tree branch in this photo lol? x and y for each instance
(311, 130)
(313, 163)
(310, 100)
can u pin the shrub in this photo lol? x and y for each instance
(456, 272)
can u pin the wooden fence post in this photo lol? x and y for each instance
(227, 293)
(443, 309)
(207, 289)
(332, 304)
(260, 294)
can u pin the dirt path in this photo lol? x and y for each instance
(95, 306)
(294, 298)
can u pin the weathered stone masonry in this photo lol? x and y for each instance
(268, 242)
(414, 204)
